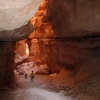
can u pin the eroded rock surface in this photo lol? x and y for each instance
(68, 34)
(16, 13)
(74, 18)
(14, 18)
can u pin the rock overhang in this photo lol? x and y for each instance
(14, 18)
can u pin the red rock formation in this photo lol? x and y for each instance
(68, 33)
(16, 34)
(34, 52)
(21, 47)
(73, 18)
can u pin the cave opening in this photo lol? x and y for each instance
(27, 49)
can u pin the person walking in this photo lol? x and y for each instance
(32, 76)
(25, 76)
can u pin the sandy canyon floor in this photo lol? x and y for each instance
(42, 88)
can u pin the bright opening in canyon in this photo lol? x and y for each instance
(27, 49)
(57, 40)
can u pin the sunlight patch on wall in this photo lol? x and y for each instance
(27, 49)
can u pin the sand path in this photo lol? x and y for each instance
(37, 90)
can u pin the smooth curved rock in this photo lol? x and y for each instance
(16, 13)
(16, 34)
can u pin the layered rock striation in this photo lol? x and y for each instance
(68, 35)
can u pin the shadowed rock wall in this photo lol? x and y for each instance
(16, 34)
(74, 18)
(7, 63)
(68, 34)
(20, 48)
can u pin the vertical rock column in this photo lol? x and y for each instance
(7, 63)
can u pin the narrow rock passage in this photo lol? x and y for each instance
(37, 90)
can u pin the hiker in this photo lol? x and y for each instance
(32, 76)
(25, 76)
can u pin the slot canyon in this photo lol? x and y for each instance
(59, 40)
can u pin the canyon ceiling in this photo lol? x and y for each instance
(66, 35)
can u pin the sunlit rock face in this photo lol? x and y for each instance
(68, 36)
(14, 18)
(34, 52)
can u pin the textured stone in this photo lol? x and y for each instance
(68, 33)
(21, 47)
(14, 26)
(16, 13)
(43, 70)
(16, 34)
(7, 63)
(34, 52)
(73, 18)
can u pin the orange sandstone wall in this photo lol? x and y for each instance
(68, 35)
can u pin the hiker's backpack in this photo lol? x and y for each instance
(32, 74)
